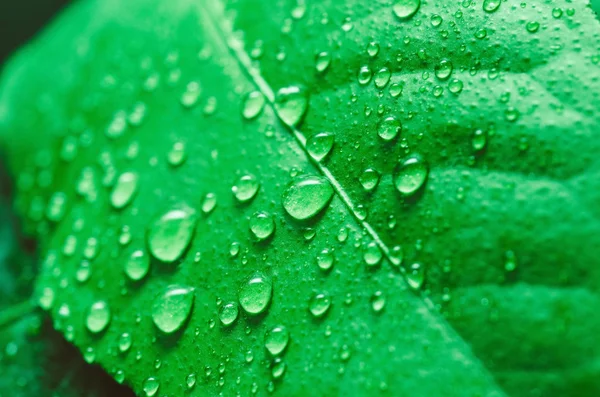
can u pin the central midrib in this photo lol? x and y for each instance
(237, 51)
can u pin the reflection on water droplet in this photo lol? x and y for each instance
(306, 196)
(172, 307)
(170, 235)
(255, 294)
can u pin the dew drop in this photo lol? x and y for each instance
(325, 259)
(278, 369)
(322, 62)
(150, 387)
(190, 381)
(262, 225)
(372, 254)
(479, 140)
(46, 298)
(377, 301)
(170, 235)
(405, 9)
(382, 77)
(319, 145)
(455, 86)
(369, 179)
(209, 203)
(190, 96)
(137, 265)
(491, 5)
(372, 49)
(411, 175)
(532, 26)
(436, 20)
(98, 317)
(306, 196)
(255, 294)
(364, 75)
(291, 104)
(389, 128)
(228, 313)
(245, 188)
(319, 304)
(415, 276)
(172, 308)
(276, 340)
(124, 190)
(253, 104)
(443, 70)
(125, 341)
(176, 156)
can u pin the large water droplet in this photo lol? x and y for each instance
(150, 387)
(405, 9)
(245, 188)
(253, 104)
(389, 128)
(443, 70)
(124, 190)
(411, 175)
(291, 104)
(325, 259)
(319, 304)
(170, 235)
(98, 317)
(172, 308)
(491, 5)
(369, 179)
(262, 225)
(255, 294)
(306, 196)
(276, 340)
(372, 254)
(319, 145)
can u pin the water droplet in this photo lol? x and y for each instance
(511, 114)
(510, 263)
(325, 259)
(276, 340)
(378, 301)
(455, 86)
(415, 276)
(254, 102)
(56, 207)
(176, 155)
(389, 128)
(369, 179)
(255, 294)
(382, 77)
(83, 272)
(345, 353)
(278, 369)
(89, 355)
(372, 49)
(372, 254)
(411, 175)
(443, 70)
(556, 12)
(405, 9)
(98, 317)
(319, 145)
(480, 34)
(322, 62)
(190, 381)
(170, 235)
(436, 20)
(245, 188)
(172, 308)
(364, 75)
(291, 104)
(124, 190)
(491, 5)
(479, 140)
(262, 225)
(342, 234)
(228, 313)
(396, 255)
(319, 304)
(190, 96)
(395, 90)
(532, 26)
(209, 203)
(46, 298)
(137, 265)
(150, 387)
(125, 342)
(306, 196)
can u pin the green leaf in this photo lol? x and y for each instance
(172, 159)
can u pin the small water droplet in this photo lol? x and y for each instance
(443, 70)
(253, 104)
(325, 259)
(306, 196)
(46, 298)
(411, 175)
(262, 225)
(170, 235)
(172, 308)
(190, 381)
(455, 86)
(510, 263)
(255, 294)
(291, 104)
(176, 156)
(389, 128)
(228, 313)
(150, 387)
(190, 96)
(405, 9)
(369, 179)
(364, 75)
(245, 188)
(511, 114)
(209, 203)
(372, 49)
(372, 254)
(532, 26)
(479, 140)
(415, 276)
(98, 317)
(377, 301)
(124, 190)
(382, 77)
(322, 62)
(278, 369)
(137, 265)
(319, 145)
(436, 20)
(276, 340)
(319, 304)
(125, 341)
